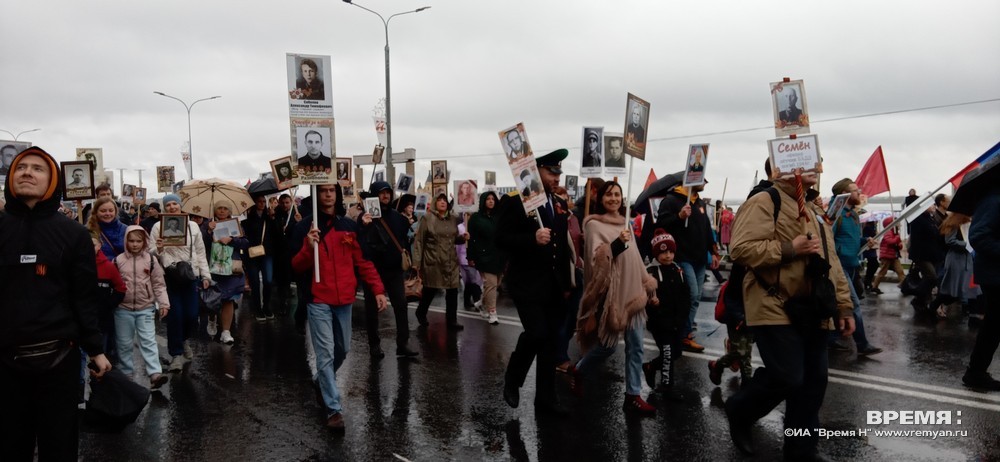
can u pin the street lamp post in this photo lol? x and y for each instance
(188, 109)
(20, 133)
(390, 171)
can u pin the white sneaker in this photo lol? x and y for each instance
(226, 338)
(177, 364)
(485, 314)
(493, 318)
(478, 305)
(188, 351)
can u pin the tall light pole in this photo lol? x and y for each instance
(20, 133)
(188, 109)
(390, 171)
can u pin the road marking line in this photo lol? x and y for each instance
(711, 354)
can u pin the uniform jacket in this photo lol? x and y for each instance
(766, 247)
(143, 278)
(48, 277)
(434, 250)
(340, 260)
(535, 269)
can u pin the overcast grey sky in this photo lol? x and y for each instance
(85, 72)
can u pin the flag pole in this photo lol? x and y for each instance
(628, 195)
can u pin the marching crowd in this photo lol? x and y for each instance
(71, 292)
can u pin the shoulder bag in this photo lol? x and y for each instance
(405, 256)
(258, 250)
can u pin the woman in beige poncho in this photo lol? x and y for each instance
(616, 290)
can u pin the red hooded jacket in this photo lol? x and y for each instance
(339, 256)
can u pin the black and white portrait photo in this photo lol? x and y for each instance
(373, 208)
(309, 81)
(515, 143)
(78, 180)
(343, 171)
(491, 178)
(791, 115)
(439, 171)
(313, 149)
(615, 158)
(281, 168)
(593, 148)
(9, 149)
(404, 182)
(636, 124)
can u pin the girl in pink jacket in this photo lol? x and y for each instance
(136, 315)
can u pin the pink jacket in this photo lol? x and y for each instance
(143, 277)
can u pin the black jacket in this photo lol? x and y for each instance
(48, 272)
(926, 242)
(675, 301)
(254, 230)
(378, 245)
(534, 269)
(695, 240)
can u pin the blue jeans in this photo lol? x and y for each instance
(257, 269)
(129, 323)
(633, 358)
(860, 339)
(182, 319)
(694, 276)
(330, 330)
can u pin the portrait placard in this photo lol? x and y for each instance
(227, 228)
(490, 177)
(466, 196)
(284, 174)
(9, 150)
(571, 185)
(836, 205)
(344, 171)
(636, 126)
(439, 189)
(694, 170)
(128, 193)
(788, 155)
(592, 154)
(404, 183)
(377, 154)
(420, 206)
(614, 161)
(439, 172)
(310, 93)
(521, 160)
(515, 144)
(791, 114)
(94, 155)
(140, 196)
(378, 176)
(373, 208)
(313, 145)
(173, 229)
(78, 179)
(164, 178)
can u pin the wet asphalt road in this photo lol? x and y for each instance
(254, 401)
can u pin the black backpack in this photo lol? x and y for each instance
(729, 309)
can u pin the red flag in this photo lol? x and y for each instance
(873, 178)
(957, 179)
(650, 179)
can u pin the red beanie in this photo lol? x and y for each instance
(662, 241)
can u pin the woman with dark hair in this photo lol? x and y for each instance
(616, 291)
(483, 253)
(436, 259)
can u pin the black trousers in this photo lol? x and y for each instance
(40, 408)
(394, 289)
(450, 303)
(794, 371)
(541, 315)
(988, 337)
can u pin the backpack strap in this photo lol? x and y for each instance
(772, 290)
(776, 200)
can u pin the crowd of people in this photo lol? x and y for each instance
(572, 274)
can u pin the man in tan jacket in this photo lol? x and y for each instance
(795, 358)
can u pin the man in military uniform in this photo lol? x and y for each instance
(539, 282)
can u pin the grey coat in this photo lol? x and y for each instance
(957, 272)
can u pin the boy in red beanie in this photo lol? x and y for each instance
(667, 313)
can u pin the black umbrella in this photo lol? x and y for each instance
(263, 187)
(977, 184)
(115, 401)
(659, 188)
(404, 199)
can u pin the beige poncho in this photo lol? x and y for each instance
(616, 289)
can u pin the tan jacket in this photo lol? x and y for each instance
(434, 251)
(766, 246)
